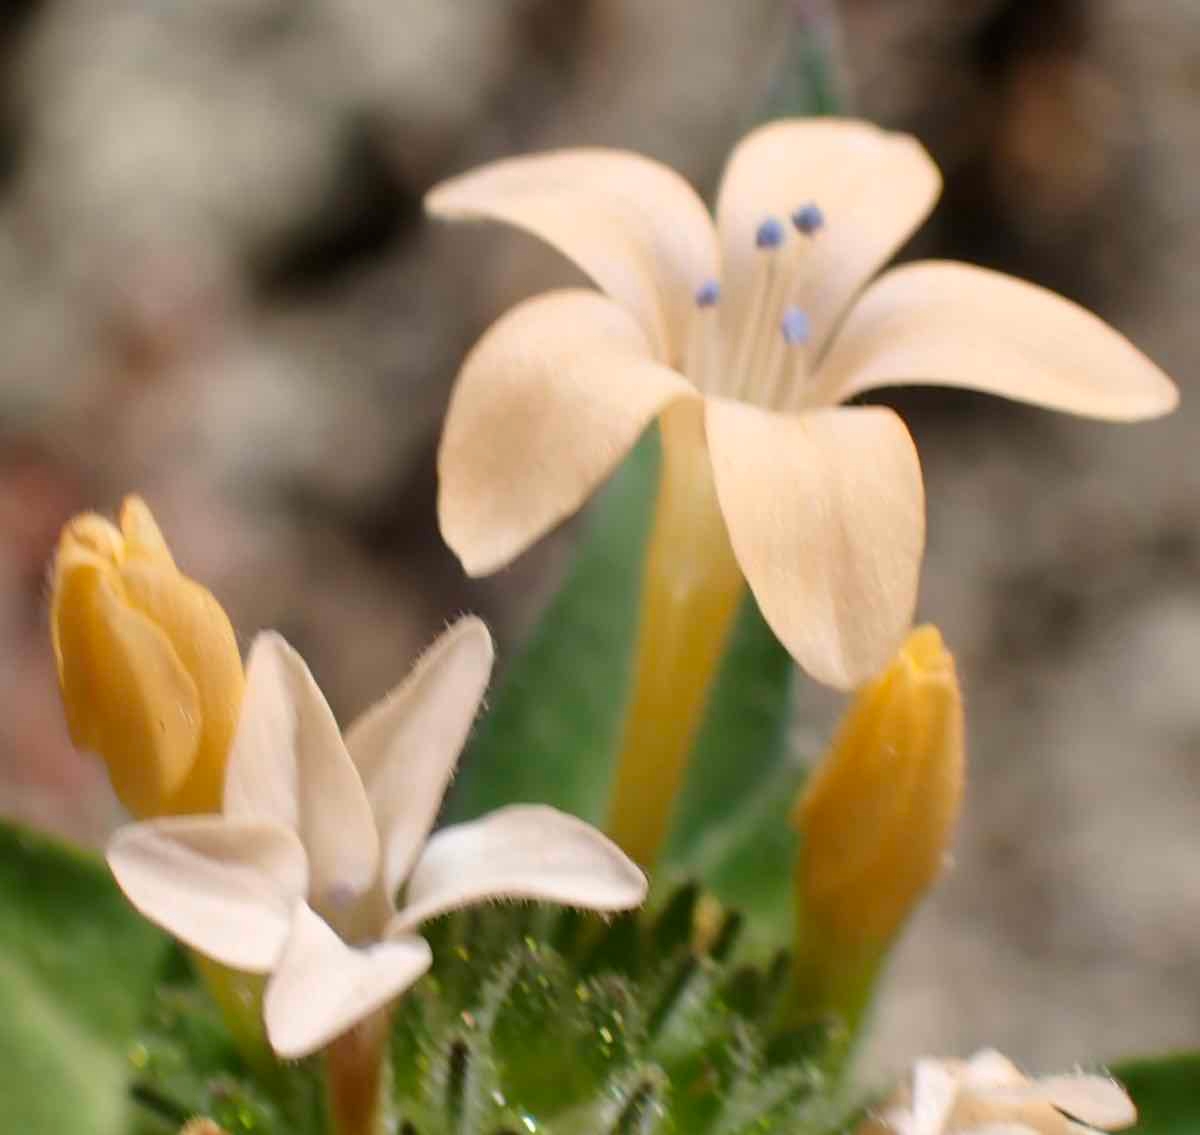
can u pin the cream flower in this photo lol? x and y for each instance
(322, 865)
(762, 324)
(989, 1094)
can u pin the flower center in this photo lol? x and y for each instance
(764, 359)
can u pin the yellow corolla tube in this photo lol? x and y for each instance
(876, 820)
(148, 664)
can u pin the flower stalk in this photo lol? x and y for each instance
(691, 590)
(357, 1077)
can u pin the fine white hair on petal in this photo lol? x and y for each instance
(407, 746)
(524, 851)
(1097, 1101)
(289, 764)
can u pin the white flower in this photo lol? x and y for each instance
(322, 865)
(988, 1094)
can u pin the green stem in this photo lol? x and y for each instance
(691, 589)
(356, 1075)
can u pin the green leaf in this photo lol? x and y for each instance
(76, 972)
(551, 733)
(731, 828)
(1166, 1091)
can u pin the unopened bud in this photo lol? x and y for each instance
(877, 817)
(148, 664)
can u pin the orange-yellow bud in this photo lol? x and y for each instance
(148, 664)
(878, 814)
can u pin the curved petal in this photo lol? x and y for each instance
(549, 401)
(406, 747)
(224, 887)
(1093, 1100)
(873, 188)
(198, 628)
(934, 1088)
(290, 766)
(522, 852)
(939, 323)
(988, 1069)
(127, 695)
(322, 987)
(826, 516)
(633, 225)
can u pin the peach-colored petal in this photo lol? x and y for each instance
(406, 747)
(322, 987)
(1094, 1100)
(945, 324)
(873, 187)
(826, 516)
(633, 225)
(289, 765)
(549, 401)
(224, 887)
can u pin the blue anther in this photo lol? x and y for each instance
(708, 294)
(770, 233)
(795, 327)
(808, 218)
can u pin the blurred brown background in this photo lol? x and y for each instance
(216, 288)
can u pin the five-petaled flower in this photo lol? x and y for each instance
(322, 865)
(989, 1094)
(757, 328)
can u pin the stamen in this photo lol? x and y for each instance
(703, 344)
(768, 238)
(770, 233)
(808, 219)
(708, 294)
(795, 326)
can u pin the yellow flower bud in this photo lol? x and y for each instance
(148, 664)
(876, 819)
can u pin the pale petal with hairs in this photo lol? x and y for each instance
(224, 887)
(633, 225)
(289, 764)
(1096, 1101)
(290, 880)
(406, 747)
(524, 852)
(826, 517)
(989, 1095)
(937, 323)
(548, 403)
(323, 987)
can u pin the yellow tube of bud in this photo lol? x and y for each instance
(875, 821)
(148, 664)
(691, 590)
